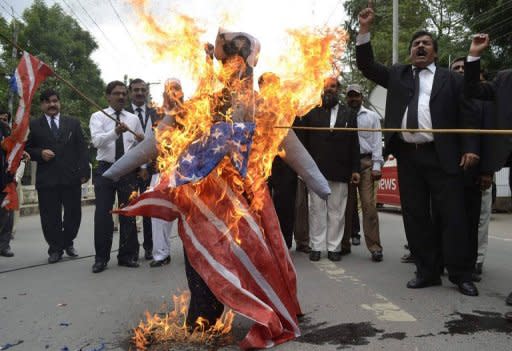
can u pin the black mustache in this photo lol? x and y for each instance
(421, 52)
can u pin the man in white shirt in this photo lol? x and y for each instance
(370, 146)
(112, 138)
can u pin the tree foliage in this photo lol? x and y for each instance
(58, 40)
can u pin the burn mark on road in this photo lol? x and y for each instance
(467, 323)
(344, 335)
(397, 336)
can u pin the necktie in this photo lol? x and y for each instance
(141, 119)
(54, 128)
(119, 141)
(412, 110)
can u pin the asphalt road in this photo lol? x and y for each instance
(354, 304)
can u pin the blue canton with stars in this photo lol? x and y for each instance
(203, 155)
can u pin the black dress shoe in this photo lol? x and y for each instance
(148, 255)
(7, 252)
(345, 251)
(303, 248)
(468, 288)
(160, 263)
(377, 256)
(128, 263)
(99, 266)
(334, 256)
(55, 257)
(356, 240)
(71, 251)
(407, 258)
(314, 256)
(509, 299)
(418, 283)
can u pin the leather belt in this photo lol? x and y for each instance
(413, 146)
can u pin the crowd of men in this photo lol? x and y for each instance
(444, 178)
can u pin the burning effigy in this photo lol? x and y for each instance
(214, 154)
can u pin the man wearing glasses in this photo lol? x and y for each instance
(109, 136)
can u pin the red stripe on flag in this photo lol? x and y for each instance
(30, 73)
(247, 266)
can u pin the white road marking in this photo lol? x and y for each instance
(500, 238)
(383, 308)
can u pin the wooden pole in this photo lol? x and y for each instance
(71, 86)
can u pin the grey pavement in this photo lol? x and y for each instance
(354, 304)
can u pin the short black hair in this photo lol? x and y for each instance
(135, 81)
(421, 33)
(112, 85)
(47, 94)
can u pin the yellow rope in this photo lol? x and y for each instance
(438, 131)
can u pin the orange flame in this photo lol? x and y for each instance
(311, 56)
(171, 327)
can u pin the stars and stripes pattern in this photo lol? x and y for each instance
(204, 154)
(246, 265)
(29, 75)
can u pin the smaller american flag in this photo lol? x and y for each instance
(29, 75)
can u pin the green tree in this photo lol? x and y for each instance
(495, 18)
(58, 40)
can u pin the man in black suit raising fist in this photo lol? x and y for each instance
(425, 96)
(58, 146)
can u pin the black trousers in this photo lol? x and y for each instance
(425, 186)
(60, 229)
(146, 221)
(473, 201)
(283, 187)
(203, 302)
(105, 191)
(6, 224)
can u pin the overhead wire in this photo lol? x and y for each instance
(136, 45)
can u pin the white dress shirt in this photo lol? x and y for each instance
(334, 115)
(424, 118)
(104, 136)
(370, 142)
(57, 120)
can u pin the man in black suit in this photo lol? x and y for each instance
(499, 90)
(337, 157)
(424, 96)
(138, 90)
(58, 146)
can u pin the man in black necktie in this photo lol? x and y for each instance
(58, 146)
(138, 90)
(425, 96)
(112, 139)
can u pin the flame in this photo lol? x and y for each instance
(311, 56)
(171, 327)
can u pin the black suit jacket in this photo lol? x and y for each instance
(151, 115)
(499, 91)
(335, 153)
(448, 108)
(70, 163)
